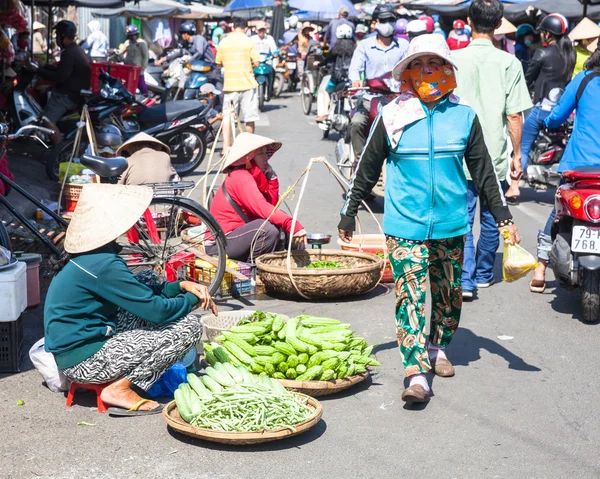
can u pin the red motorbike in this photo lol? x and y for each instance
(575, 254)
(384, 89)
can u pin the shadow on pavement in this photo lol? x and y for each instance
(271, 107)
(466, 348)
(385, 346)
(295, 441)
(567, 302)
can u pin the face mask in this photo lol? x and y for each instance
(459, 31)
(527, 43)
(385, 29)
(499, 37)
(430, 84)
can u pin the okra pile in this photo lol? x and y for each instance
(229, 398)
(305, 348)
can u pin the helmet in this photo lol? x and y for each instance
(132, 30)
(383, 11)
(293, 21)
(554, 23)
(428, 21)
(525, 29)
(401, 26)
(188, 27)
(416, 27)
(458, 24)
(109, 139)
(65, 28)
(344, 31)
(361, 28)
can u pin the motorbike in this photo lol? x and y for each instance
(175, 123)
(152, 73)
(265, 77)
(288, 66)
(338, 117)
(385, 89)
(183, 79)
(575, 254)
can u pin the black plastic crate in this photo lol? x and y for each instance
(11, 345)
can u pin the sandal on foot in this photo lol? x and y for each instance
(415, 394)
(537, 286)
(135, 410)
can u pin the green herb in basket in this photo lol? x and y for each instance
(324, 265)
(380, 254)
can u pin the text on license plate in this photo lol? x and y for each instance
(586, 239)
(291, 65)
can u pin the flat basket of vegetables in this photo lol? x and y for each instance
(318, 274)
(308, 354)
(230, 405)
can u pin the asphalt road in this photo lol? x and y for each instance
(519, 407)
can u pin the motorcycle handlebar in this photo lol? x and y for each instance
(29, 128)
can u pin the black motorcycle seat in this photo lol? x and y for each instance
(170, 111)
(154, 69)
(105, 167)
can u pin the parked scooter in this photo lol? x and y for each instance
(386, 90)
(174, 123)
(575, 254)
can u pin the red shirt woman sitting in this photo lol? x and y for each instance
(245, 205)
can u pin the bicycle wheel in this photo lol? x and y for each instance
(306, 95)
(170, 237)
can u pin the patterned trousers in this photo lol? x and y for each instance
(411, 262)
(139, 351)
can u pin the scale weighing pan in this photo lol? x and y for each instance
(318, 239)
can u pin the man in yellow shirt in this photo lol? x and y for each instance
(239, 56)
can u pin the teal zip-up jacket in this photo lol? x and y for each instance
(425, 185)
(80, 313)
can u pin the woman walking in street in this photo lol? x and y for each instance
(423, 136)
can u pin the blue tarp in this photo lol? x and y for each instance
(324, 9)
(248, 5)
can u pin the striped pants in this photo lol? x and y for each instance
(140, 351)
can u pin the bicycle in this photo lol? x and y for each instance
(168, 238)
(311, 79)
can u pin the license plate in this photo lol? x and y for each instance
(586, 239)
(291, 65)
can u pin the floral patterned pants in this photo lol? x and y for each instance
(411, 261)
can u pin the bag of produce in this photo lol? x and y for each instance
(517, 262)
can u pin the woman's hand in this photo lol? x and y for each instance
(201, 292)
(513, 232)
(299, 240)
(345, 236)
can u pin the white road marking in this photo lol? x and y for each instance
(534, 213)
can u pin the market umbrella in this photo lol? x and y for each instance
(324, 8)
(248, 5)
(144, 9)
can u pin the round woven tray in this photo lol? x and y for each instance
(173, 419)
(323, 388)
(215, 325)
(360, 273)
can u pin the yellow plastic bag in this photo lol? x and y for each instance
(517, 262)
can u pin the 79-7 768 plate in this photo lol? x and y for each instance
(586, 239)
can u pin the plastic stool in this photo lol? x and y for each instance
(97, 388)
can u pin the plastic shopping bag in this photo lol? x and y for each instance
(46, 365)
(516, 262)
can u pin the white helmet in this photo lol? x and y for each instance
(344, 31)
(293, 21)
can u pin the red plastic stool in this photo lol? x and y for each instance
(91, 387)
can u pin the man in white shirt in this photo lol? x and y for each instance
(264, 42)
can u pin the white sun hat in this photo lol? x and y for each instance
(585, 29)
(424, 45)
(246, 143)
(103, 213)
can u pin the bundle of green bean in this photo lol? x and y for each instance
(231, 399)
(305, 348)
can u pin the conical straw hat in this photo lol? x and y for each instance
(505, 28)
(585, 29)
(103, 213)
(245, 143)
(143, 138)
(38, 26)
(592, 46)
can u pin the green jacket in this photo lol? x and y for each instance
(80, 313)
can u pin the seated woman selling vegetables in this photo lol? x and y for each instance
(102, 323)
(423, 136)
(245, 205)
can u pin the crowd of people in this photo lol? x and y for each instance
(450, 140)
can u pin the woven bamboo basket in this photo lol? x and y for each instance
(360, 273)
(323, 388)
(173, 419)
